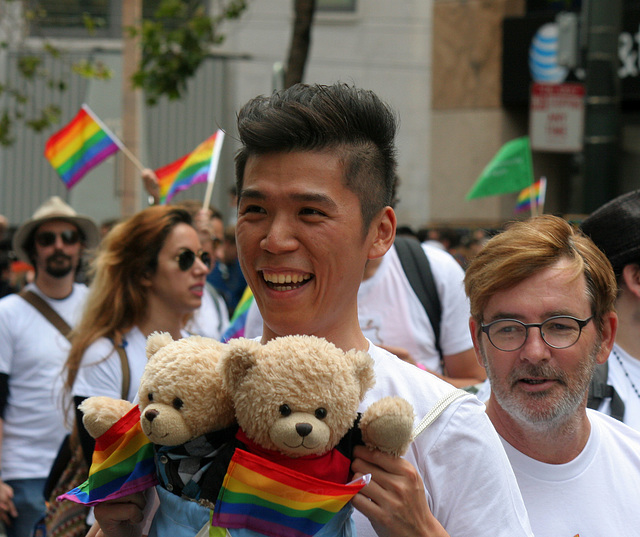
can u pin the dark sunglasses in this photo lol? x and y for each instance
(187, 258)
(47, 238)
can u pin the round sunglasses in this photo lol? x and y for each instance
(47, 238)
(187, 258)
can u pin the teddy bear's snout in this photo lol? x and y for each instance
(304, 429)
(151, 414)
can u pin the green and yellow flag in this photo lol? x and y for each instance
(510, 170)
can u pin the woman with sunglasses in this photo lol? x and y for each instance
(148, 275)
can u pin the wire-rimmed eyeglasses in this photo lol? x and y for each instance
(559, 332)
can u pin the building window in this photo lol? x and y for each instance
(67, 18)
(345, 6)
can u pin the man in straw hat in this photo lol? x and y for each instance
(32, 353)
(615, 228)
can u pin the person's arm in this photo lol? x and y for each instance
(8, 510)
(462, 368)
(394, 501)
(150, 182)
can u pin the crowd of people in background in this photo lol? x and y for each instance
(525, 316)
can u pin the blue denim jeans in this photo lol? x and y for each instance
(28, 497)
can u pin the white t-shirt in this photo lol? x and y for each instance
(595, 495)
(211, 319)
(33, 353)
(390, 313)
(100, 372)
(622, 363)
(470, 486)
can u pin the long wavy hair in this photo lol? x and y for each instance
(117, 299)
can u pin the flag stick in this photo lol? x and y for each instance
(543, 193)
(213, 167)
(115, 139)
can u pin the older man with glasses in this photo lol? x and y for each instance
(33, 350)
(542, 316)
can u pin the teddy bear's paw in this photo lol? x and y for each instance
(100, 413)
(387, 425)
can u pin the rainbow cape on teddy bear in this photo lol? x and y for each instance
(271, 456)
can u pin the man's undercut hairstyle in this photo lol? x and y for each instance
(531, 246)
(353, 122)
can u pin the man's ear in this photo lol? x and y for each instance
(631, 278)
(474, 327)
(609, 329)
(383, 229)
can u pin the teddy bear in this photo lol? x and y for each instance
(296, 400)
(183, 411)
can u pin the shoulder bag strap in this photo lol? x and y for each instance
(433, 414)
(47, 311)
(126, 372)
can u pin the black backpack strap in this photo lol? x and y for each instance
(599, 390)
(418, 270)
(47, 311)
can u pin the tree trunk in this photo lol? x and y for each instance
(300, 41)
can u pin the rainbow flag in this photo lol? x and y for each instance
(84, 143)
(532, 196)
(239, 318)
(260, 495)
(123, 463)
(199, 166)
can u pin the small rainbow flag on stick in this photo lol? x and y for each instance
(84, 143)
(123, 463)
(260, 495)
(532, 197)
(239, 318)
(196, 167)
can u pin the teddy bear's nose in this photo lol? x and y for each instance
(151, 414)
(304, 429)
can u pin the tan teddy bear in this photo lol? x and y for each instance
(179, 394)
(296, 401)
(183, 410)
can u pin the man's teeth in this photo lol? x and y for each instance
(289, 278)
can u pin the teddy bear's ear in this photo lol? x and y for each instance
(362, 364)
(239, 357)
(156, 341)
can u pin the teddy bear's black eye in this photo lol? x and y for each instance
(321, 413)
(150, 397)
(177, 403)
(285, 410)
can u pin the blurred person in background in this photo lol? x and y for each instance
(32, 353)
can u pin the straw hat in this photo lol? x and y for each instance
(615, 229)
(54, 209)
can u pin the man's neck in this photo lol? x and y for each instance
(344, 339)
(628, 325)
(549, 443)
(56, 288)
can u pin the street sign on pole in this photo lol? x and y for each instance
(556, 117)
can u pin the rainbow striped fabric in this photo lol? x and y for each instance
(81, 145)
(123, 463)
(195, 167)
(260, 495)
(532, 195)
(239, 319)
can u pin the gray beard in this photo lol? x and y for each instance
(562, 411)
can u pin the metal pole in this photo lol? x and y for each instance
(602, 25)
(131, 182)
